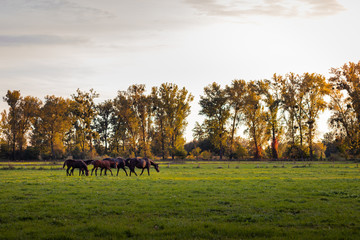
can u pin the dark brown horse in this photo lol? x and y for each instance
(142, 164)
(120, 163)
(81, 165)
(104, 164)
(113, 164)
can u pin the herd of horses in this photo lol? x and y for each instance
(108, 163)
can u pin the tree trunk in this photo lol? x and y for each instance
(274, 145)
(310, 143)
(52, 149)
(232, 136)
(257, 154)
(162, 140)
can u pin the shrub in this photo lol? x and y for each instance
(206, 155)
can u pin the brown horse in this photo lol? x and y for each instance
(120, 163)
(113, 164)
(142, 164)
(81, 165)
(104, 164)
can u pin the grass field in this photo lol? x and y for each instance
(187, 201)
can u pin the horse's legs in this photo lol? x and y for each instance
(124, 171)
(117, 174)
(67, 171)
(71, 170)
(148, 171)
(110, 171)
(134, 171)
(92, 170)
(142, 171)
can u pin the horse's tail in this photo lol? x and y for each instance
(65, 163)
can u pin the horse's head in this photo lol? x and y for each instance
(156, 166)
(86, 172)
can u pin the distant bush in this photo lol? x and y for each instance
(206, 155)
(181, 153)
(31, 153)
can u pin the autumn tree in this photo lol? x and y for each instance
(119, 136)
(13, 99)
(293, 100)
(5, 129)
(177, 109)
(272, 99)
(84, 109)
(217, 113)
(141, 106)
(103, 122)
(345, 104)
(52, 123)
(29, 108)
(161, 138)
(255, 117)
(315, 88)
(289, 105)
(22, 112)
(236, 99)
(343, 120)
(126, 122)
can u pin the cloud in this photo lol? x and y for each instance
(323, 7)
(279, 8)
(20, 40)
(54, 6)
(49, 17)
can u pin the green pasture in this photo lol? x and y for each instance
(183, 201)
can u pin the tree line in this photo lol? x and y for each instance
(279, 118)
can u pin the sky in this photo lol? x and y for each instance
(53, 47)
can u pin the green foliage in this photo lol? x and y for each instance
(181, 153)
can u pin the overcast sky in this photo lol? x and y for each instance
(53, 47)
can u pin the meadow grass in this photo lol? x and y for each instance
(187, 201)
